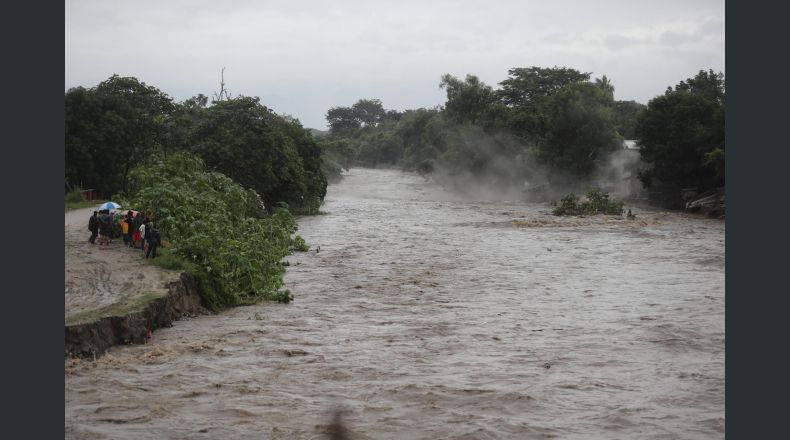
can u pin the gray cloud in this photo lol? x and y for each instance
(676, 39)
(302, 57)
(616, 42)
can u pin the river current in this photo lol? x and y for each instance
(428, 315)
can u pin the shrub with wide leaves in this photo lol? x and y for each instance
(215, 224)
(597, 202)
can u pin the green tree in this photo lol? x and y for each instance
(261, 150)
(682, 137)
(342, 120)
(708, 84)
(110, 128)
(605, 85)
(626, 113)
(180, 127)
(580, 129)
(380, 147)
(467, 100)
(369, 112)
(421, 132)
(528, 89)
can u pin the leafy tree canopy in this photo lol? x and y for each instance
(625, 117)
(580, 128)
(263, 151)
(369, 112)
(682, 137)
(110, 128)
(467, 99)
(342, 120)
(527, 87)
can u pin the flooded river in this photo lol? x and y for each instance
(427, 316)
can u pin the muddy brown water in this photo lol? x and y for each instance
(427, 316)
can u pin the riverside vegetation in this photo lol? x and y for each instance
(552, 126)
(217, 230)
(222, 181)
(596, 202)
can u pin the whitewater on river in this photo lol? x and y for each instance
(425, 315)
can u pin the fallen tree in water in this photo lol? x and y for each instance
(595, 202)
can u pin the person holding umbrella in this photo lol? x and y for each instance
(105, 227)
(106, 222)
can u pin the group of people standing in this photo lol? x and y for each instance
(100, 225)
(137, 230)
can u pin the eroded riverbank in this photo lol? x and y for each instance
(100, 277)
(427, 316)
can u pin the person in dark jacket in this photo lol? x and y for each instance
(105, 227)
(93, 226)
(154, 239)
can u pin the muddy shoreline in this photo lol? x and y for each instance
(113, 296)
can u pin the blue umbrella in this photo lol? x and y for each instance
(109, 205)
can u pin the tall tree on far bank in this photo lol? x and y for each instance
(579, 130)
(626, 114)
(369, 112)
(528, 89)
(364, 113)
(468, 99)
(342, 120)
(682, 137)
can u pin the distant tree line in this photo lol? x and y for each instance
(122, 122)
(554, 122)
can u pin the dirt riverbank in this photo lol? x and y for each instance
(112, 296)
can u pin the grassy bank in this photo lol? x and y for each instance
(74, 200)
(121, 308)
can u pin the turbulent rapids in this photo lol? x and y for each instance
(426, 315)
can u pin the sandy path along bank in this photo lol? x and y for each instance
(100, 277)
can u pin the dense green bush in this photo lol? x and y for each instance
(568, 205)
(597, 202)
(214, 225)
(74, 196)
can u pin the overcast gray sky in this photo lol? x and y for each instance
(303, 57)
